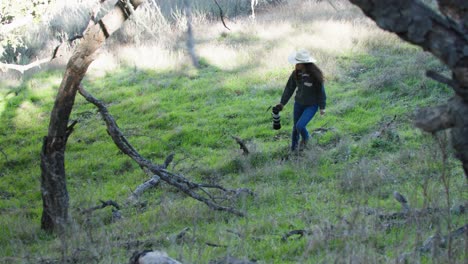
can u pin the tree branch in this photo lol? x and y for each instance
(447, 81)
(221, 14)
(23, 68)
(53, 184)
(300, 232)
(176, 180)
(242, 145)
(416, 23)
(104, 204)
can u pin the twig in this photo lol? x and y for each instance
(71, 127)
(168, 160)
(22, 68)
(299, 232)
(176, 180)
(242, 145)
(235, 233)
(151, 183)
(215, 245)
(221, 14)
(321, 130)
(104, 204)
(402, 200)
(182, 233)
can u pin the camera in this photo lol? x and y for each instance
(276, 118)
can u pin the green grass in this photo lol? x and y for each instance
(328, 190)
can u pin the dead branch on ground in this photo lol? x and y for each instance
(242, 145)
(151, 183)
(221, 14)
(300, 233)
(103, 205)
(322, 130)
(198, 191)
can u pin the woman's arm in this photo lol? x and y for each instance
(288, 90)
(322, 100)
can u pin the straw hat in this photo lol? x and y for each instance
(301, 56)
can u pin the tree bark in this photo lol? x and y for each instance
(190, 40)
(447, 39)
(53, 179)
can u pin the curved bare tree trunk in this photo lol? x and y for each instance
(53, 180)
(446, 37)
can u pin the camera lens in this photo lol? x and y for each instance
(276, 118)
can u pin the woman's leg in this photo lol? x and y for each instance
(307, 115)
(298, 110)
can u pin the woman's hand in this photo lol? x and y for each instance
(279, 107)
(322, 112)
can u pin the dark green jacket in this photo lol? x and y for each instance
(309, 91)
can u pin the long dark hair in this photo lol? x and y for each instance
(314, 72)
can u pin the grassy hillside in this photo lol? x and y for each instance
(335, 191)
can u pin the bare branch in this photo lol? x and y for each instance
(242, 145)
(104, 204)
(176, 180)
(221, 14)
(23, 68)
(151, 183)
(168, 160)
(440, 78)
(402, 200)
(301, 233)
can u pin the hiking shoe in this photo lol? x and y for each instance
(303, 145)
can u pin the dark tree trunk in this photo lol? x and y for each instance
(53, 179)
(446, 37)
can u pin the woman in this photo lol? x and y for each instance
(310, 95)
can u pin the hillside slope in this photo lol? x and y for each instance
(340, 191)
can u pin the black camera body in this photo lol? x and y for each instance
(276, 118)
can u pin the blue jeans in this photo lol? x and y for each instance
(302, 116)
